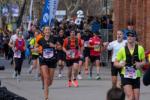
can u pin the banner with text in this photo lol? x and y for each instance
(49, 12)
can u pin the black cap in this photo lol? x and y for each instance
(130, 33)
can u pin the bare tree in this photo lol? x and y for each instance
(90, 7)
(71, 6)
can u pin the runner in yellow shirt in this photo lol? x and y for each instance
(131, 59)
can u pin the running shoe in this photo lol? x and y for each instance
(46, 99)
(75, 83)
(79, 77)
(86, 71)
(69, 84)
(97, 77)
(37, 77)
(14, 75)
(18, 78)
(30, 70)
(59, 75)
(89, 77)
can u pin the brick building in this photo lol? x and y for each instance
(138, 10)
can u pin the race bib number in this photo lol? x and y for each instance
(31, 46)
(97, 48)
(71, 54)
(48, 53)
(86, 43)
(17, 54)
(130, 72)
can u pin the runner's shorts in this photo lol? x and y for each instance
(134, 82)
(61, 55)
(86, 52)
(51, 63)
(114, 70)
(69, 63)
(34, 57)
(94, 58)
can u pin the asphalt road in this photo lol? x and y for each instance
(31, 89)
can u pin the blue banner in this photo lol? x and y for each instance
(49, 12)
(45, 14)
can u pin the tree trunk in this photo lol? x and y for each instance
(21, 14)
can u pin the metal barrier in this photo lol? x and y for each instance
(107, 36)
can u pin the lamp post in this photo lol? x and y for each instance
(106, 7)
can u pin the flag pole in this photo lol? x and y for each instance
(30, 16)
(49, 14)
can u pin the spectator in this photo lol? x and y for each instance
(104, 22)
(31, 31)
(95, 25)
(109, 24)
(130, 27)
(115, 94)
(5, 44)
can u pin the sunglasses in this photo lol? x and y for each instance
(72, 32)
(131, 35)
(20, 33)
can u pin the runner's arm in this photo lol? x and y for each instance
(11, 44)
(119, 61)
(64, 45)
(139, 65)
(81, 46)
(109, 45)
(90, 44)
(103, 47)
(118, 64)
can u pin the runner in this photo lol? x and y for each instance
(115, 47)
(60, 53)
(86, 52)
(130, 59)
(5, 43)
(79, 76)
(48, 61)
(37, 39)
(19, 54)
(72, 47)
(11, 44)
(34, 55)
(95, 45)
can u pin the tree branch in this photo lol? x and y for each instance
(76, 6)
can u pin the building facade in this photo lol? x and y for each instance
(138, 11)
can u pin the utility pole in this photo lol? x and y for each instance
(106, 7)
(107, 32)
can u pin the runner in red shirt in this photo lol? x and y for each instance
(72, 47)
(95, 45)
